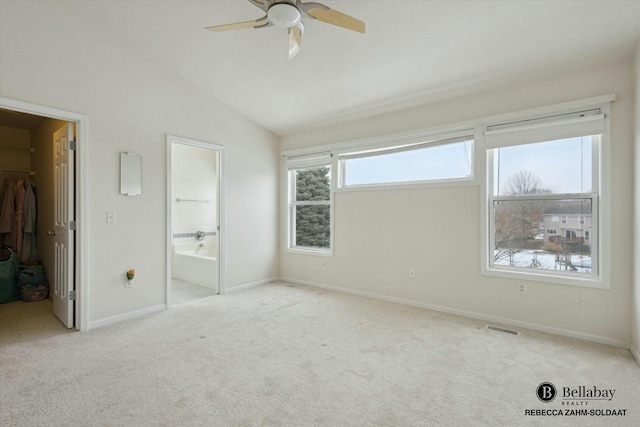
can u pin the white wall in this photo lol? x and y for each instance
(193, 176)
(52, 56)
(379, 235)
(635, 339)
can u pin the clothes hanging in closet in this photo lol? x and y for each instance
(8, 226)
(18, 218)
(30, 216)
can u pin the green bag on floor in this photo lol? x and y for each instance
(9, 292)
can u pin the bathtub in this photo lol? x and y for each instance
(196, 262)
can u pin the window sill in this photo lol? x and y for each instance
(464, 182)
(328, 253)
(558, 278)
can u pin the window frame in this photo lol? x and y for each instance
(293, 164)
(405, 143)
(600, 221)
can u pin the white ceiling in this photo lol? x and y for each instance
(413, 52)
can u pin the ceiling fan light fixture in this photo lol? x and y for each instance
(284, 15)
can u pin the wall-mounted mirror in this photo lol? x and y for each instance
(130, 174)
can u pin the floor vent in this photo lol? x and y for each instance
(506, 331)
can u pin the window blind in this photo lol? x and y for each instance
(581, 123)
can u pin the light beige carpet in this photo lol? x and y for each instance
(296, 356)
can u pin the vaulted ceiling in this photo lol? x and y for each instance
(412, 52)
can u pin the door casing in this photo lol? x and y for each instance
(81, 190)
(171, 139)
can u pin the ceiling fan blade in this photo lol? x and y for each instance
(260, 23)
(325, 14)
(295, 39)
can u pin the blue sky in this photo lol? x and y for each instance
(556, 163)
(563, 166)
(437, 162)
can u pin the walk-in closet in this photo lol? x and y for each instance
(26, 196)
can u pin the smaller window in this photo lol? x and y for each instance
(564, 219)
(551, 231)
(408, 162)
(310, 203)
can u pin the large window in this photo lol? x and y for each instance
(543, 197)
(408, 161)
(310, 199)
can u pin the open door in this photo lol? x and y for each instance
(63, 233)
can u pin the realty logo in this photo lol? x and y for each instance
(546, 392)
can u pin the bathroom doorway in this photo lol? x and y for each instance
(194, 217)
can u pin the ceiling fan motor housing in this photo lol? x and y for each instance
(284, 15)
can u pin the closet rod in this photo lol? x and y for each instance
(18, 172)
(30, 149)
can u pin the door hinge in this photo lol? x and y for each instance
(73, 145)
(72, 295)
(73, 225)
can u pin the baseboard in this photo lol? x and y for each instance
(471, 314)
(126, 316)
(250, 285)
(635, 353)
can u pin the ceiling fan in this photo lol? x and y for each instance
(288, 14)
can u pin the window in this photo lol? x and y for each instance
(415, 160)
(545, 171)
(310, 202)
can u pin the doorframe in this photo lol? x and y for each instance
(221, 233)
(81, 264)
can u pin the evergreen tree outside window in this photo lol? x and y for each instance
(310, 207)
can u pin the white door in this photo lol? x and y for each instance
(63, 236)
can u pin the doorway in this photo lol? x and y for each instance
(195, 232)
(62, 239)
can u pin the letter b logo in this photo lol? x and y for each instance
(546, 392)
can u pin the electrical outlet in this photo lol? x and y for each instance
(325, 262)
(522, 288)
(129, 283)
(111, 217)
(412, 273)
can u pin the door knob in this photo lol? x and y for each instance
(51, 233)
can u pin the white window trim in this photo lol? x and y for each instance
(406, 143)
(479, 126)
(304, 161)
(601, 215)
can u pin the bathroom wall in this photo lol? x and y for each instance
(193, 176)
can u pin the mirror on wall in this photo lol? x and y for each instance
(130, 174)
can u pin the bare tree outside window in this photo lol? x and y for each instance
(517, 222)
